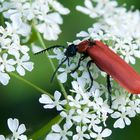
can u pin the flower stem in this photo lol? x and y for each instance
(2, 20)
(31, 84)
(50, 61)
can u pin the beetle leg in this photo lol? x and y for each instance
(109, 88)
(58, 68)
(79, 62)
(131, 97)
(68, 61)
(90, 75)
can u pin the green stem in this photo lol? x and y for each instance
(2, 20)
(40, 134)
(52, 65)
(31, 84)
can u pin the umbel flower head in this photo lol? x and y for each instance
(14, 56)
(46, 15)
(85, 113)
(16, 129)
(43, 15)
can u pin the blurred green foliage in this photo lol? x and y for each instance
(18, 100)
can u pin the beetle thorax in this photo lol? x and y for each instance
(83, 46)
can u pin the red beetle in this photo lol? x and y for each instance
(107, 61)
(112, 64)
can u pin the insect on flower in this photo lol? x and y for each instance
(106, 60)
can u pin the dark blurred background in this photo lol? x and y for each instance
(18, 100)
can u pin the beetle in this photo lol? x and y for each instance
(106, 60)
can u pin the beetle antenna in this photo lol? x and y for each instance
(58, 68)
(47, 49)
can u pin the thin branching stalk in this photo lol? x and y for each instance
(50, 61)
(31, 84)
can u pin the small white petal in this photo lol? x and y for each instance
(28, 65)
(127, 121)
(2, 137)
(88, 4)
(106, 132)
(45, 99)
(83, 10)
(13, 124)
(4, 78)
(21, 129)
(59, 107)
(57, 95)
(77, 118)
(119, 123)
(116, 115)
(82, 34)
(93, 135)
(49, 106)
(62, 77)
(20, 70)
(52, 136)
(56, 128)
(57, 6)
(22, 137)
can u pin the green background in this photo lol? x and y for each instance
(18, 100)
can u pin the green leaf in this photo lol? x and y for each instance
(40, 134)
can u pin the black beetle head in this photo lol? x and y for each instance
(71, 51)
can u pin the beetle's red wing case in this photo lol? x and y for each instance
(115, 66)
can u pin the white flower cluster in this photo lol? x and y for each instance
(13, 55)
(85, 113)
(46, 15)
(16, 129)
(116, 25)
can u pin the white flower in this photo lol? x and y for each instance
(46, 15)
(50, 30)
(64, 72)
(49, 103)
(81, 133)
(19, 27)
(6, 64)
(75, 102)
(59, 134)
(23, 63)
(99, 133)
(133, 108)
(48, 20)
(122, 119)
(17, 129)
(11, 48)
(58, 54)
(89, 9)
(45, 99)
(68, 116)
(94, 122)
(121, 99)
(82, 116)
(78, 86)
